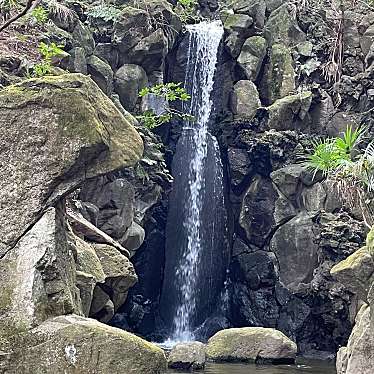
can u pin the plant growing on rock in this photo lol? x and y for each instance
(48, 53)
(187, 10)
(39, 14)
(350, 170)
(105, 12)
(169, 92)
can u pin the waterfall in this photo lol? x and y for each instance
(195, 264)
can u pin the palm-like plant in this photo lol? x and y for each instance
(350, 171)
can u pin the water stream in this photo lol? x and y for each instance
(303, 367)
(196, 221)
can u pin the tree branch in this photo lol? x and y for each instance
(17, 16)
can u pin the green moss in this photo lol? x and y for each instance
(351, 262)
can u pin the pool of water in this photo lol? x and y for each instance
(309, 367)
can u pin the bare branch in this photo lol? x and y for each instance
(29, 5)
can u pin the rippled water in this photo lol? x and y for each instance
(301, 368)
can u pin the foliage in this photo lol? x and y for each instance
(40, 15)
(187, 10)
(60, 11)
(350, 170)
(48, 52)
(169, 92)
(105, 12)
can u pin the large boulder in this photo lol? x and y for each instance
(358, 355)
(251, 344)
(73, 344)
(187, 356)
(101, 73)
(295, 248)
(38, 277)
(356, 272)
(70, 131)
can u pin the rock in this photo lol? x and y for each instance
(143, 45)
(245, 100)
(238, 28)
(83, 37)
(367, 40)
(128, 81)
(256, 215)
(101, 73)
(134, 237)
(85, 228)
(86, 284)
(295, 248)
(254, 8)
(251, 344)
(255, 269)
(282, 26)
(87, 261)
(99, 301)
(289, 112)
(279, 76)
(38, 277)
(73, 344)
(115, 200)
(358, 356)
(119, 272)
(356, 272)
(77, 61)
(252, 56)
(70, 131)
(240, 165)
(108, 53)
(187, 356)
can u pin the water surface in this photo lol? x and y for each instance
(300, 368)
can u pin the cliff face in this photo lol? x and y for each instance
(82, 191)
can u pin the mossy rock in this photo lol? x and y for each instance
(56, 132)
(356, 272)
(251, 344)
(75, 345)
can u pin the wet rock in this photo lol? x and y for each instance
(134, 237)
(251, 344)
(71, 344)
(129, 80)
(187, 356)
(252, 56)
(61, 143)
(245, 100)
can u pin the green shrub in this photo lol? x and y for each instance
(187, 10)
(48, 52)
(105, 12)
(40, 15)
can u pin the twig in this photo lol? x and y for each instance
(29, 5)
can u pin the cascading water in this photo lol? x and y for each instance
(195, 251)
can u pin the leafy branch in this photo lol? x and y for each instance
(169, 92)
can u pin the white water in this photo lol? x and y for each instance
(204, 40)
